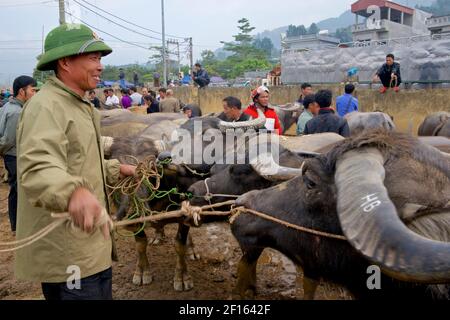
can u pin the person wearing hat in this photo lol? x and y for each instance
(260, 97)
(60, 168)
(24, 87)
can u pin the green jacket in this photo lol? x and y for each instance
(302, 120)
(59, 150)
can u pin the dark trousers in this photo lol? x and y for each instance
(95, 287)
(386, 81)
(201, 82)
(11, 167)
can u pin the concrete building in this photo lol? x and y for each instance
(384, 20)
(308, 42)
(439, 24)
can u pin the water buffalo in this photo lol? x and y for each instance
(381, 190)
(288, 115)
(125, 123)
(436, 124)
(359, 122)
(149, 142)
(236, 179)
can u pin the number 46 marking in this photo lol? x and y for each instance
(371, 202)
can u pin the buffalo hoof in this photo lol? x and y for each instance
(183, 282)
(192, 254)
(158, 239)
(249, 294)
(144, 278)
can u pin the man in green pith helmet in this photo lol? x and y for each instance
(61, 169)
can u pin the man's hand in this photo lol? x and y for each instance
(375, 78)
(85, 209)
(127, 170)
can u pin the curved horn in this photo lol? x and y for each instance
(267, 168)
(371, 224)
(291, 107)
(251, 124)
(106, 143)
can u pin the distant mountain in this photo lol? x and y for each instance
(331, 24)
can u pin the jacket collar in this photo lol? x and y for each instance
(17, 101)
(61, 85)
(326, 111)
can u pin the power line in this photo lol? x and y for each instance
(118, 24)
(136, 25)
(109, 34)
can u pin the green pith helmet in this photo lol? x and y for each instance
(68, 40)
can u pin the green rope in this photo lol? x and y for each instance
(138, 205)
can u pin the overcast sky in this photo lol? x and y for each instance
(207, 21)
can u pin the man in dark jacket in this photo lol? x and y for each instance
(232, 110)
(200, 76)
(327, 120)
(389, 74)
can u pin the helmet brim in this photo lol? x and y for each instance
(46, 62)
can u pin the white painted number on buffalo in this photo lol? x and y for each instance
(370, 202)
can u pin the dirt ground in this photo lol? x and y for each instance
(214, 274)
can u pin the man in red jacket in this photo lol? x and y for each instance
(260, 97)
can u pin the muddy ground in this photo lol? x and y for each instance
(214, 274)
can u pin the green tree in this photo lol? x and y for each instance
(265, 45)
(296, 31)
(41, 76)
(209, 62)
(249, 65)
(242, 47)
(438, 8)
(344, 34)
(313, 29)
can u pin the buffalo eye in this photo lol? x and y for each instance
(309, 183)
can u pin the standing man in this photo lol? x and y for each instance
(232, 110)
(135, 78)
(200, 76)
(347, 103)
(327, 120)
(24, 88)
(389, 74)
(122, 78)
(311, 110)
(306, 89)
(61, 168)
(170, 103)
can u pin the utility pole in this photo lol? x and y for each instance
(177, 43)
(62, 12)
(179, 58)
(164, 46)
(191, 55)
